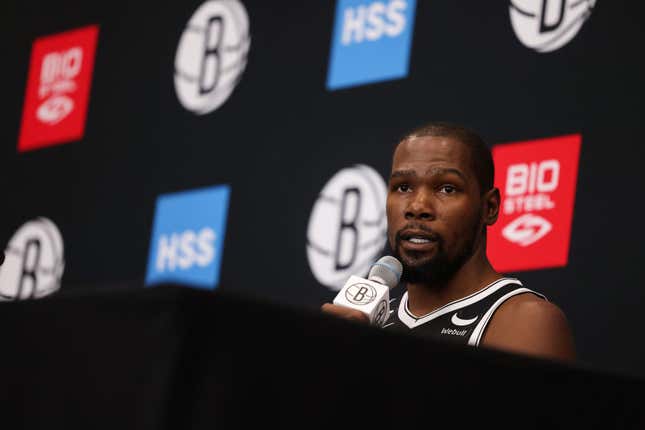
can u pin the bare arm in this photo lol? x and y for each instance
(529, 325)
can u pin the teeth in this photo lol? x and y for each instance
(418, 240)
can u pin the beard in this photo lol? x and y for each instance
(437, 270)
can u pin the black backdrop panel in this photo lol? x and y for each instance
(281, 136)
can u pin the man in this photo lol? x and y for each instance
(440, 201)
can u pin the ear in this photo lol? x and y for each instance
(491, 202)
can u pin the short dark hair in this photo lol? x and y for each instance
(480, 155)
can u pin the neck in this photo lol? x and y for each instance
(475, 274)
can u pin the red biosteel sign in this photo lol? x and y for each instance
(58, 88)
(537, 182)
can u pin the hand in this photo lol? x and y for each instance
(346, 313)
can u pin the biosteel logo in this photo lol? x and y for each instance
(537, 182)
(58, 88)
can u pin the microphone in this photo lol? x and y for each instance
(372, 295)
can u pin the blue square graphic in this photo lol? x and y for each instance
(188, 237)
(371, 42)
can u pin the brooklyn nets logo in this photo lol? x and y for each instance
(211, 55)
(34, 262)
(547, 25)
(360, 294)
(347, 226)
(381, 313)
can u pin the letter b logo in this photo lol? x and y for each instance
(347, 243)
(347, 226)
(211, 55)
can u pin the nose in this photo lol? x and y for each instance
(420, 206)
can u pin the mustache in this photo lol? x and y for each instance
(419, 227)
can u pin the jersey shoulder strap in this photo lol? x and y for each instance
(499, 298)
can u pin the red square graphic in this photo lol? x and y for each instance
(58, 88)
(537, 182)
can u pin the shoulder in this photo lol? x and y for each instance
(529, 324)
(528, 308)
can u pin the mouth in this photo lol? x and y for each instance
(417, 240)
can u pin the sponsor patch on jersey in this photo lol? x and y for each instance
(453, 332)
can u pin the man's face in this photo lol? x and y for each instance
(434, 208)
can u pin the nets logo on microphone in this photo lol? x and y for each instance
(360, 294)
(58, 88)
(211, 55)
(188, 237)
(347, 226)
(34, 261)
(537, 181)
(370, 42)
(547, 25)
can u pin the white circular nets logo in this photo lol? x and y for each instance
(347, 228)
(360, 294)
(34, 262)
(211, 55)
(547, 25)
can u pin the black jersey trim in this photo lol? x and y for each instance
(477, 333)
(411, 321)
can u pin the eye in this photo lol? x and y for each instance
(403, 188)
(448, 189)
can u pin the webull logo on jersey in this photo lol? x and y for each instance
(371, 42)
(188, 237)
(537, 181)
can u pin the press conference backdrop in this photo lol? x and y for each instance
(245, 145)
